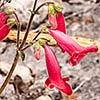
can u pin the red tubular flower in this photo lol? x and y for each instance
(55, 79)
(57, 22)
(4, 30)
(76, 51)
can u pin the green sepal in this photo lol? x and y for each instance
(22, 55)
(57, 7)
(11, 22)
(36, 46)
(51, 9)
(44, 29)
(42, 41)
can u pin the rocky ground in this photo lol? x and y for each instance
(27, 83)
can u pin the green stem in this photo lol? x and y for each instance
(18, 28)
(10, 73)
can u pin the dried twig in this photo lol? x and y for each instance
(82, 41)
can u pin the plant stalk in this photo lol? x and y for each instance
(10, 72)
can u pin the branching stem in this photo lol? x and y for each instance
(23, 42)
(29, 25)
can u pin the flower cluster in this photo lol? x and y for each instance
(67, 44)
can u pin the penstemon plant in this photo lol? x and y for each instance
(57, 30)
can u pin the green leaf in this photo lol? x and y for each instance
(22, 55)
(30, 43)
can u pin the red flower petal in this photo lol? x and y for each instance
(67, 89)
(3, 18)
(4, 30)
(60, 22)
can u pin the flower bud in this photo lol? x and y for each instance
(37, 50)
(37, 54)
(4, 27)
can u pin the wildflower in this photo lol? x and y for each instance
(76, 51)
(55, 79)
(37, 54)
